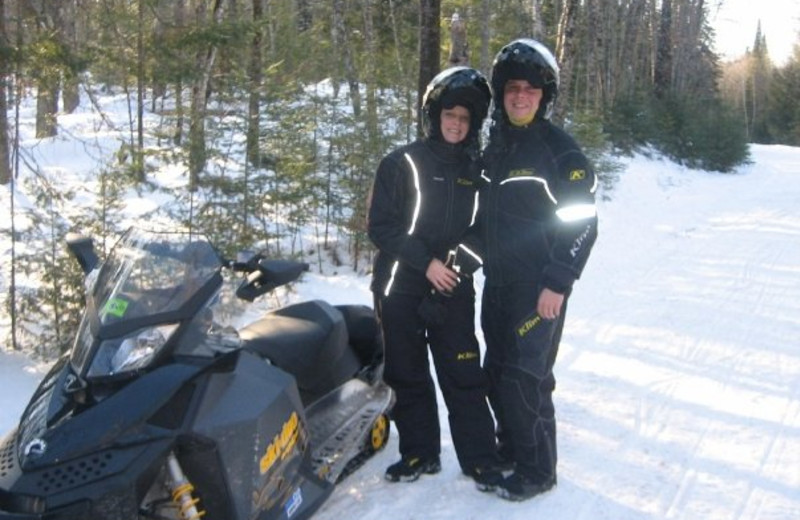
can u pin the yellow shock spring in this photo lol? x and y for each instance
(182, 492)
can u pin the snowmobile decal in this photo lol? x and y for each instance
(294, 502)
(283, 443)
(465, 356)
(528, 325)
(115, 307)
(577, 175)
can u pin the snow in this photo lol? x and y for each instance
(678, 390)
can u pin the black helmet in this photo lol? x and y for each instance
(530, 60)
(463, 86)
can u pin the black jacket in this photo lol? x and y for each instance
(538, 221)
(422, 202)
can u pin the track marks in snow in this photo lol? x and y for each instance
(681, 359)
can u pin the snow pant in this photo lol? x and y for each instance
(456, 358)
(521, 350)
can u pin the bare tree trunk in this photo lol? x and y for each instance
(401, 69)
(305, 19)
(605, 31)
(5, 166)
(747, 131)
(138, 155)
(396, 39)
(46, 106)
(429, 42)
(686, 27)
(44, 16)
(632, 55)
(255, 78)
(12, 283)
(593, 55)
(662, 73)
(538, 29)
(342, 42)
(370, 72)
(365, 172)
(158, 86)
(197, 130)
(180, 22)
(566, 53)
(459, 47)
(486, 35)
(252, 147)
(70, 94)
(337, 36)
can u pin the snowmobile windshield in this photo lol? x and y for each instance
(149, 284)
(150, 274)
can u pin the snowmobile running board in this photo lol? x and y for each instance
(340, 425)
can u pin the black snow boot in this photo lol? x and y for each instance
(518, 487)
(408, 469)
(486, 478)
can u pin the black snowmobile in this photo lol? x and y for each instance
(161, 412)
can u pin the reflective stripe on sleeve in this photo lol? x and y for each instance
(419, 194)
(576, 212)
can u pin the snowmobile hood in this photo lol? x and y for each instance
(120, 420)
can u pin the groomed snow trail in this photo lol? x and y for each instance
(684, 364)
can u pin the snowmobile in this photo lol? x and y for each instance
(162, 411)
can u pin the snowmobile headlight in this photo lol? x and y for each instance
(133, 352)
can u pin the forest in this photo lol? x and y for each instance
(278, 111)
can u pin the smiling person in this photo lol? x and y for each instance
(422, 202)
(537, 226)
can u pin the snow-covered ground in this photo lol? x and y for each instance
(679, 372)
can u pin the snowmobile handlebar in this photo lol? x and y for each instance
(266, 275)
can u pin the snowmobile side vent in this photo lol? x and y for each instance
(7, 456)
(72, 474)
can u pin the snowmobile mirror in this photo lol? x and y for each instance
(82, 248)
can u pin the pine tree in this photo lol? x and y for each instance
(758, 88)
(51, 299)
(784, 111)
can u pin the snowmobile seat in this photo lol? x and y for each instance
(309, 340)
(365, 335)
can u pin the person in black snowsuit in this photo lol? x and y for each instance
(423, 200)
(536, 228)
